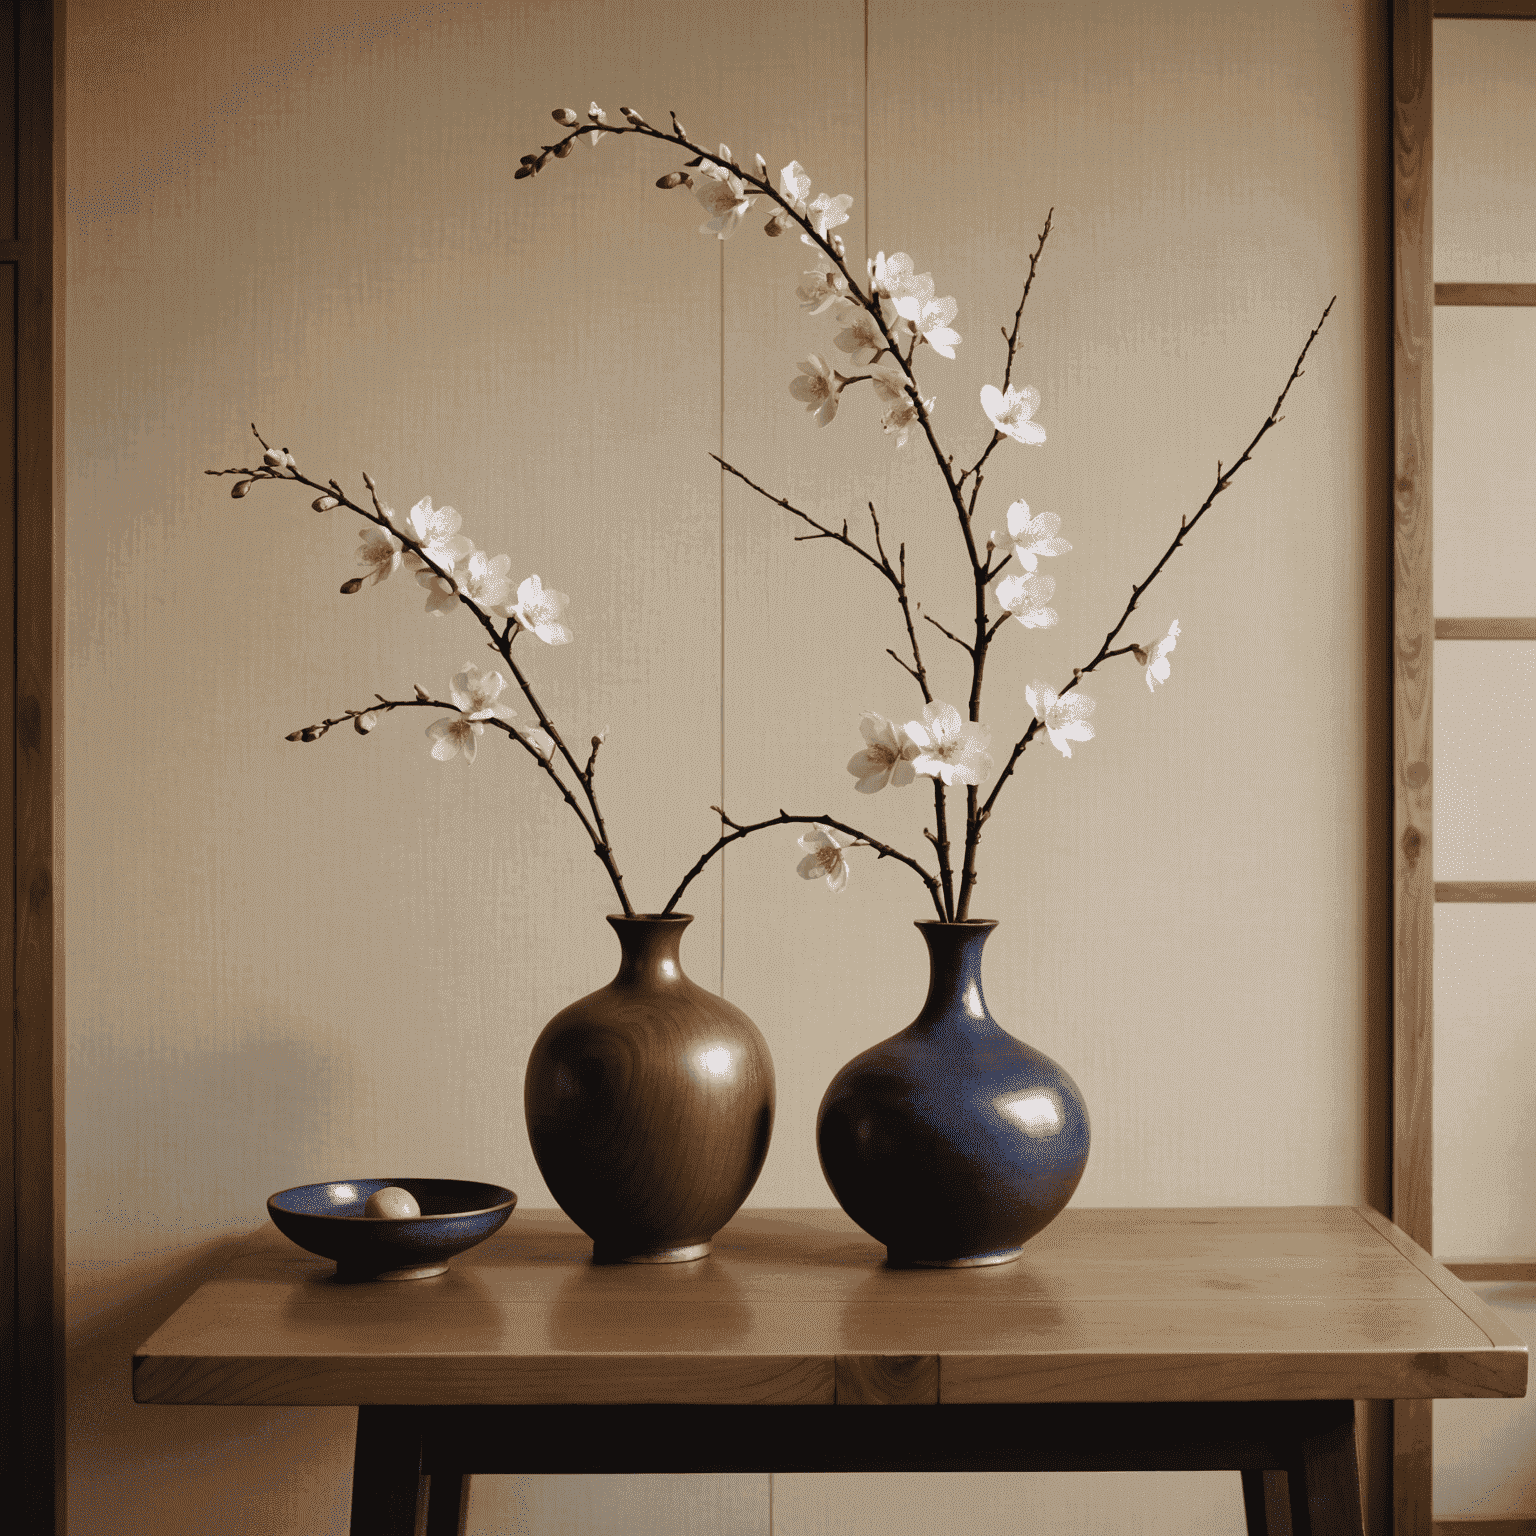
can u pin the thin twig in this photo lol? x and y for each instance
(783, 819)
(1223, 480)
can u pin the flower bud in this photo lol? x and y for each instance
(564, 115)
(526, 159)
(678, 128)
(762, 168)
(419, 694)
(368, 480)
(563, 148)
(362, 724)
(630, 115)
(276, 457)
(309, 733)
(839, 247)
(240, 488)
(773, 226)
(294, 736)
(324, 503)
(726, 155)
(1140, 653)
(355, 585)
(596, 114)
(670, 180)
(522, 171)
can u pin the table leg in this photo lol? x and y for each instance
(1325, 1488)
(386, 1472)
(448, 1504)
(1266, 1503)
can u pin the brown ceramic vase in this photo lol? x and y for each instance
(650, 1104)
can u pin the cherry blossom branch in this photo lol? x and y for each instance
(964, 645)
(332, 496)
(1012, 338)
(940, 838)
(422, 701)
(783, 819)
(1186, 525)
(896, 577)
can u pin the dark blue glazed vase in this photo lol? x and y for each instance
(953, 1143)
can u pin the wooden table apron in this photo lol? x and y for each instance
(1232, 1339)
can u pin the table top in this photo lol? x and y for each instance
(797, 1306)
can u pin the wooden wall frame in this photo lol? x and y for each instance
(31, 588)
(1413, 656)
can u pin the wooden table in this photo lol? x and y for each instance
(1122, 1340)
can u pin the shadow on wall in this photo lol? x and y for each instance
(248, 1120)
(185, 1471)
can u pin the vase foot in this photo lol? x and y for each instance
(970, 1261)
(348, 1276)
(682, 1255)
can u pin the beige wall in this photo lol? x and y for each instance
(297, 962)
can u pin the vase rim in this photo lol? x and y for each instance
(650, 917)
(965, 922)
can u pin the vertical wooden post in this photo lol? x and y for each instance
(31, 484)
(1413, 652)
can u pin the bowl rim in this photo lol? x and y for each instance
(393, 1221)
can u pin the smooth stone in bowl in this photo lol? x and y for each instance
(392, 1202)
(329, 1219)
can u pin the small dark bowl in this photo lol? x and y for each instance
(328, 1219)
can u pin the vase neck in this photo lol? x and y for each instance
(955, 999)
(649, 949)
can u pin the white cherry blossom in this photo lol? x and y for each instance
(1155, 657)
(538, 609)
(900, 413)
(826, 213)
(1010, 413)
(485, 580)
(1025, 598)
(861, 334)
(475, 694)
(1065, 720)
(436, 529)
(442, 592)
(823, 288)
(887, 757)
(795, 186)
(818, 388)
(891, 276)
(380, 552)
(541, 742)
(452, 736)
(724, 198)
(929, 318)
(950, 748)
(597, 115)
(823, 856)
(1029, 537)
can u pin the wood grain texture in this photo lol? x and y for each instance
(1500, 294)
(1413, 619)
(1485, 890)
(1105, 1306)
(1412, 681)
(32, 570)
(1485, 629)
(887, 1379)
